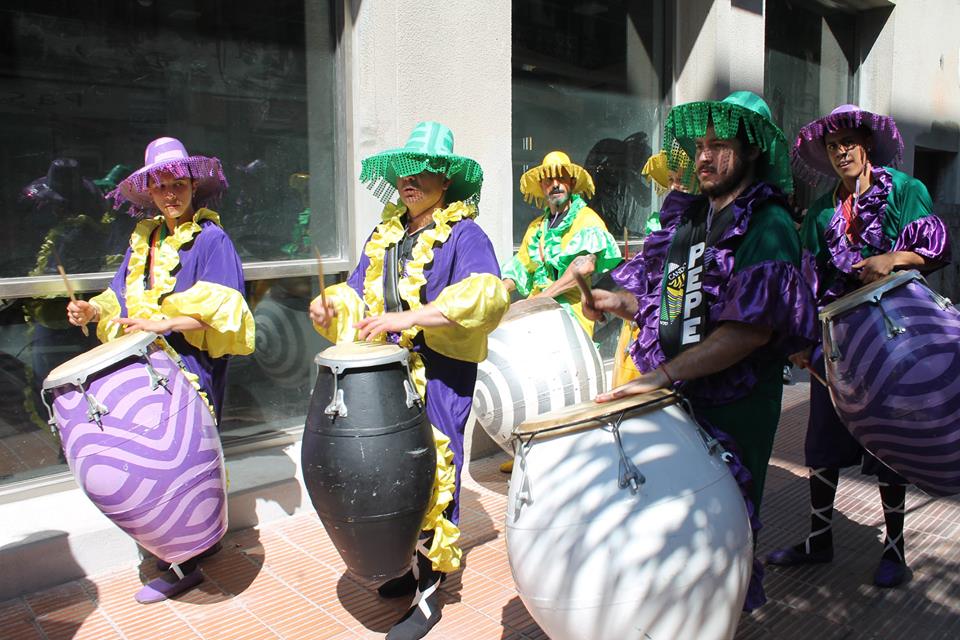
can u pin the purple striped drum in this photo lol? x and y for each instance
(892, 351)
(142, 444)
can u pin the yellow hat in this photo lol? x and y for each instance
(555, 164)
(657, 169)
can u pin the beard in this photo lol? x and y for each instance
(728, 183)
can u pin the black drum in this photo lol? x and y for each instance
(368, 456)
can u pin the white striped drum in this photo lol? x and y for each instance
(539, 359)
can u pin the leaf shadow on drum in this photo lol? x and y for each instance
(60, 611)
(592, 560)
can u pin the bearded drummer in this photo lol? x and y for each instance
(181, 278)
(874, 220)
(718, 292)
(428, 280)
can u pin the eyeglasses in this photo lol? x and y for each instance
(844, 145)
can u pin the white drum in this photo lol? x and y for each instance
(623, 521)
(539, 359)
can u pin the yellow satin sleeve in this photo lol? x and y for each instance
(475, 305)
(109, 307)
(223, 309)
(350, 310)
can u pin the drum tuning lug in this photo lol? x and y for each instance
(413, 398)
(95, 410)
(630, 476)
(156, 379)
(893, 329)
(337, 407)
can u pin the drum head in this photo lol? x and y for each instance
(76, 370)
(591, 414)
(528, 307)
(872, 291)
(360, 355)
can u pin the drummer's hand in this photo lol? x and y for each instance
(130, 325)
(81, 312)
(322, 314)
(615, 302)
(801, 359)
(371, 327)
(652, 381)
(875, 267)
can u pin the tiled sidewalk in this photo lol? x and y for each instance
(286, 580)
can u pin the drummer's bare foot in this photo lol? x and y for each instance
(163, 566)
(169, 584)
(507, 467)
(424, 613)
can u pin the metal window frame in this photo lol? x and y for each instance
(28, 287)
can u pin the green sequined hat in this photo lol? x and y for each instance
(689, 121)
(429, 148)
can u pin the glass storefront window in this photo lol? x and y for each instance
(809, 68)
(83, 88)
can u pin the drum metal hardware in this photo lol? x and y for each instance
(95, 409)
(893, 329)
(831, 349)
(51, 421)
(157, 379)
(337, 406)
(413, 398)
(630, 475)
(942, 301)
(520, 460)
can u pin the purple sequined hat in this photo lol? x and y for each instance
(809, 156)
(168, 155)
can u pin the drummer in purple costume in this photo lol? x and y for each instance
(428, 280)
(180, 278)
(718, 292)
(875, 220)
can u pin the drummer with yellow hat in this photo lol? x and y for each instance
(568, 238)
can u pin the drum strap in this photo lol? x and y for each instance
(683, 307)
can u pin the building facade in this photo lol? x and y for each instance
(290, 95)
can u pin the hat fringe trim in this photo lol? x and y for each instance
(691, 121)
(207, 174)
(377, 173)
(530, 182)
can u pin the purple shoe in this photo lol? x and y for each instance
(889, 574)
(167, 586)
(791, 557)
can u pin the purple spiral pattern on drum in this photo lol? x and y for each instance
(900, 396)
(155, 468)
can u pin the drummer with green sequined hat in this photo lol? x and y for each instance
(568, 237)
(718, 292)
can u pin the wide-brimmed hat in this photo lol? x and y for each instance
(686, 122)
(429, 148)
(168, 155)
(809, 155)
(657, 169)
(554, 165)
(65, 188)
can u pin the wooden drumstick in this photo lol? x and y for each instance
(816, 376)
(323, 293)
(626, 244)
(584, 287)
(66, 283)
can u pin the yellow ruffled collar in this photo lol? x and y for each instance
(145, 303)
(390, 232)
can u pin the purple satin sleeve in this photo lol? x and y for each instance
(756, 596)
(927, 237)
(772, 294)
(632, 275)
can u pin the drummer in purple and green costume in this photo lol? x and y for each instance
(873, 221)
(180, 278)
(428, 280)
(718, 292)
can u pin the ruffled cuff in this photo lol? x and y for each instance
(927, 237)
(772, 294)
(108, 305)
(444, 552)
(593, 241)
(223, 309)
(515, 270)
(475, 305)
(350, 310)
